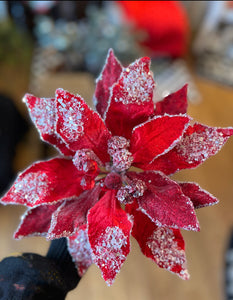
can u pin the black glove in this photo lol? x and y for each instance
(32, 276)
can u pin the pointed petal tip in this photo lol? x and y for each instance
(26, 97)
(184, 274)
(59, 91)
(109, 282)
(110, 52)
(146, 59)
(17, 236)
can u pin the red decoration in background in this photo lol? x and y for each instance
(82, 196)
(164, 22)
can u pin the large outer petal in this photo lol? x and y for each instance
(165, 246)
(72, 214)
(199, 142)
(109, 230)
(164, 203)
(174, 104)
(80, 249)
(197, 195)
(156, 136)
(131, 99)
(42, 112)
(45, 182)
(109, 75)
(36, 221)
(79, 126)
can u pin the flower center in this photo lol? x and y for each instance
(113, 173)
(113, 181)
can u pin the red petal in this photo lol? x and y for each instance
(164, 203)
(79, 126)
(45, 182)
(165, 246)
(36, 221)
(197, 195)
(131, 98)
(80, 249)
(155, 137)
(109, 229)
(72, 214)
(174, 104)
(198, 143)
(109, 75)
(42, 112)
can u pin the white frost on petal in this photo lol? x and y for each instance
(199, 146)
(31, 187)
(80, 251)
(137, 84)
(166, 251)
(72, 115)
(108, 252)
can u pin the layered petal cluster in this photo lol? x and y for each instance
(112, 177)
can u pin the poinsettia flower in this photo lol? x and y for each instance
(112, 178)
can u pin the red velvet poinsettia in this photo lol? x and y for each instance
(111, 179)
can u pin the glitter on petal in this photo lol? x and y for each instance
(79, 126)
(131, 98)
(109, 75)
(163, 245)
(42, 112)
(199, 142)
(72, 214)
(45, 183)
(80, 250)
(197, 195)
(109, 229)
(164, 203)
(165, 250)
(174, 104)
(31, 222)
(112, 179)
(156, 136)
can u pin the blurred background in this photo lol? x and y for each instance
(49, 44)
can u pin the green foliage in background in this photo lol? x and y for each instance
(15, 45)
